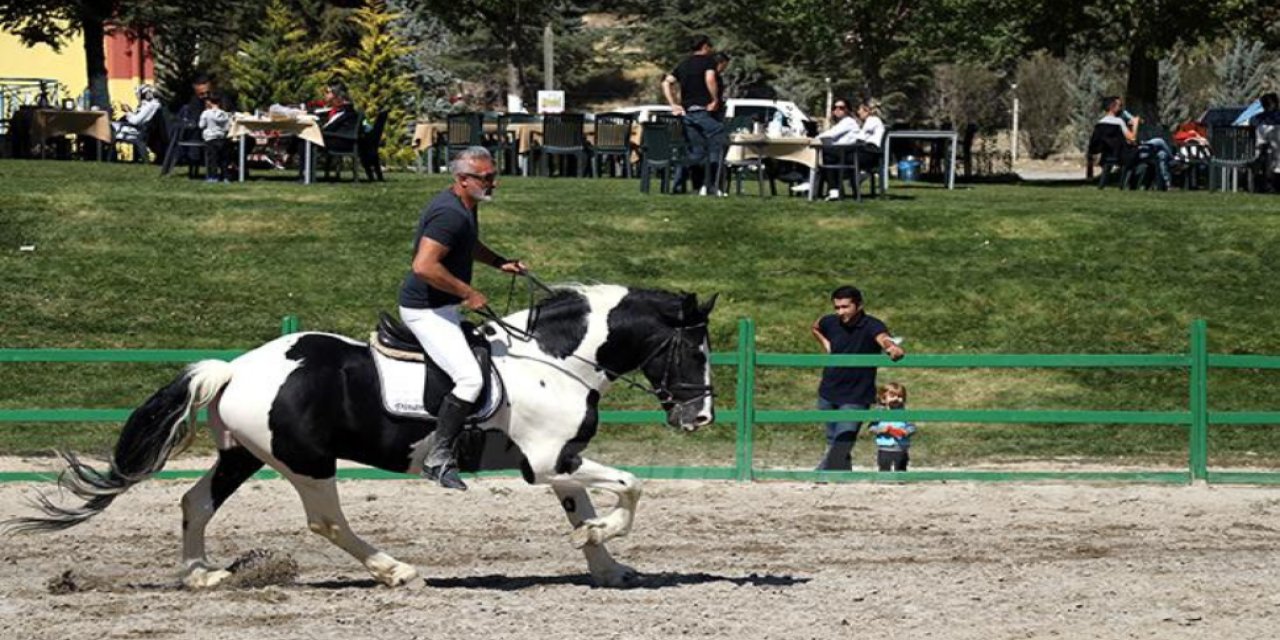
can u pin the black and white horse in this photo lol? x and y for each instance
(301, 402)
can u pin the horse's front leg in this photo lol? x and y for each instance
(605, 571)
(593, 475)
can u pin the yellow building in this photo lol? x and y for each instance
(129, 63)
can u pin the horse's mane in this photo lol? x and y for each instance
(559, 321)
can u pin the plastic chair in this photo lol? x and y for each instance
(563, 135)
(613, 140)
(1108, 143)
(735, 170)
(657, 152)
(137, 141)
(184, 135)
(367, 144)
(341, 152)
(1231, 149)
(462, 130)
(506, 148)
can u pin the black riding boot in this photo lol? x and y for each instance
(441, 463)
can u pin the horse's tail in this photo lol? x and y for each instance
(163, 426)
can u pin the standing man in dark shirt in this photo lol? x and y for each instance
(437, 284)
(700, 103)
(848, 331)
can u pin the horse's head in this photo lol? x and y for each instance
(682, 375)
(664, 336)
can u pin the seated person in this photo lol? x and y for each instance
(1113, 107)
(1267, 131)
(339, 122)
(1270, 114)
(130, 126)
(844, 131)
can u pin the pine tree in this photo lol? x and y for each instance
(376, 75)
(1243, 72)
(1173, 107)
(428, 41)
(1085, 87)
(281, 65)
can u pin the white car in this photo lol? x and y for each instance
(758, 109)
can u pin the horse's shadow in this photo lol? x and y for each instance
(517, 583)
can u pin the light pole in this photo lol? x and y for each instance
(1013, 144)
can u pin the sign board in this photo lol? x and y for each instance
(550, 102)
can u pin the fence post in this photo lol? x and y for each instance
(289, 324)
(1199, 405)
(744, 452)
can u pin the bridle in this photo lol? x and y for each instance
(663, 391)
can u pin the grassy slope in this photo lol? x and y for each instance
(124, 259)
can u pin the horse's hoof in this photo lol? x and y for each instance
(404, 575)
(391, 572)
(201, 578)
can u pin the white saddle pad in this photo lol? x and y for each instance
(401, 383)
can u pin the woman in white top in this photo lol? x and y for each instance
(845, 131)
(870, 126)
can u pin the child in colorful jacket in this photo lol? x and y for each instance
(893, 437)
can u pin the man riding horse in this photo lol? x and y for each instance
(437, 284)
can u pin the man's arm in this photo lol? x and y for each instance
(822, 340)
(427, 267)
(668, 90)
(713, 89)
(488, 256)
(890, 347)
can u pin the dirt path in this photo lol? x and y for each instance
(719, 560)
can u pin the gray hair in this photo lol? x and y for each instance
(467, 159)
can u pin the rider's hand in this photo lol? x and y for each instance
(517, 267)
(475, 300)
(677, 110)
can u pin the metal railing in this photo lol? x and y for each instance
(1197, 418)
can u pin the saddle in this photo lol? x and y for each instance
(413, 386)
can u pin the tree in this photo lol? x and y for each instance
(376, 74)
(51, 22)
(280, 65)
(1244, 72)
(510, 28)
(1042, 92)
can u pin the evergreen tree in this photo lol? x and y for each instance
(281, 65)
(1173, 108)
(376, 75)
(1085, 88)
(1244, 72)
(428, 41)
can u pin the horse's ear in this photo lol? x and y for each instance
(688, 308)
(707, 306)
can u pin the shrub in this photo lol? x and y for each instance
(1042, 97)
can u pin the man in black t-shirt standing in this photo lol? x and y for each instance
(849, 331)
(437, 284)
(701, 104)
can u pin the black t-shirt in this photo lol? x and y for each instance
(447, 221)
(692, 75)
(850, 385)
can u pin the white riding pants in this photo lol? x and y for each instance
(441, 337)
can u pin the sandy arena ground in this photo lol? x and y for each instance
(718, 560)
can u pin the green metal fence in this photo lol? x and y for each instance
(1196, 419)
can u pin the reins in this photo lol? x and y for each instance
(661, 391)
